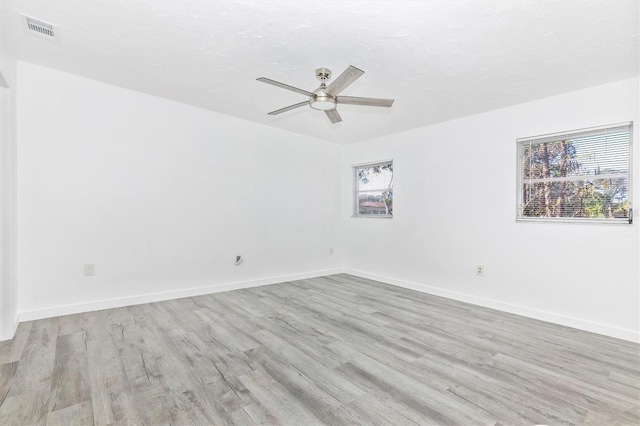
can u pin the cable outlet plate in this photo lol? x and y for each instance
(89, 269)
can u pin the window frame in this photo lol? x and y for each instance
(521, 142)
(357, 192)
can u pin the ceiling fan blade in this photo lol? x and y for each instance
(353, 100)
(349, 75)
(284, 86)
(333, 115)
(288, 108)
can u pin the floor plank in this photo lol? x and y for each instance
(332, 350)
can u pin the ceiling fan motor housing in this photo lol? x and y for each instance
(322, 101)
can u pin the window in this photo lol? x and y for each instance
(373, 190)
(581, 176)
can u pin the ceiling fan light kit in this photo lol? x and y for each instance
(325, 98)
(322, 103)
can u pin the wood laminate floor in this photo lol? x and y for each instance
(335, 350)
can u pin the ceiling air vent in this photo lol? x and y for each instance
(41, 29)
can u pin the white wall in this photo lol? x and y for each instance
(454, 208)
(8, 141)
(160, 196)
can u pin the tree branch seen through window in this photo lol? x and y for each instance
(576, 176)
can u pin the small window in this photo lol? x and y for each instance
(374, 190)
(581, 176)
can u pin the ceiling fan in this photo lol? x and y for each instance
(325, 98)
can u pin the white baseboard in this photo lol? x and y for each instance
(620, 333)
(57, 311)
(14, 326)
(607, 330)
(12, 330)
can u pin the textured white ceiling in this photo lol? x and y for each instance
(438, 59)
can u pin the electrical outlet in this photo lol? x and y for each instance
(479, 270)
(89, 269)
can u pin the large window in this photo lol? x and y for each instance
(582, 176)
(374, 190)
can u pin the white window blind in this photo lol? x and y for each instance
(580, 176)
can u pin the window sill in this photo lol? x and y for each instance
(373, 216)
(575, 221)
